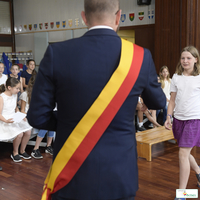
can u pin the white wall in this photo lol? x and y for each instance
(30, 12)
(34, 12)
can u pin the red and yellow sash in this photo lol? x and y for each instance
(96, 120)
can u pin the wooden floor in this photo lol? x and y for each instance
(157, 179)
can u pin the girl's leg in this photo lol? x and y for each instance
(49, 148)
(50, 135)
(184, 165)
(37, 143)
(164, 114)
(49, 140)
(140, 126)
(25, 140)
(140, 116)
(194, 166)
(153, 112)
(36, 152)
(39, 139)
(16, 143)
(157, 113)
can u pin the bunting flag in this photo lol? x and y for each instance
(52, 24)
(94, 123)
(131, 16)
(141, 15)
(70, 22)
(64, 24)
(77, 22)
(20, 28)
(40, 25)
(123, 17)
(46, 25)
(35, 26)
(57, 24)
(152, 13)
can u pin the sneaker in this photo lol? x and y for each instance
(0, 168)
(151, 125)
(49, 150)
(24, 156)
(16, 158)
(141, 128)
(36, 154)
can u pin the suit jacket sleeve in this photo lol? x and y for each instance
(40, 114)
(153, 95)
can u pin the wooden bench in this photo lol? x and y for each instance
(146, 139)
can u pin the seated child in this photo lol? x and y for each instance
(141, 108)
(15, 69)
(26, 75)
(18, 132)
(3, 77)
(25, 99)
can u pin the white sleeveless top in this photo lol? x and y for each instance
(10, 131)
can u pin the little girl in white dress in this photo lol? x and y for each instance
(20, 132)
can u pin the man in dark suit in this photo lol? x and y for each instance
(72, 74)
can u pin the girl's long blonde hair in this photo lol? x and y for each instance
(162, 78)
(195, 54)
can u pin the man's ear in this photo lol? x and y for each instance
(118, 16)
(84, 18)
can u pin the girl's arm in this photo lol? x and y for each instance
(21, 85)
(23, 105)
(1, 116)
(170, 110)
(167, 100)
(24, 82)
(16, 108)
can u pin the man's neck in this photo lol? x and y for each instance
(100, 26)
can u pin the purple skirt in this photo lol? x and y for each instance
(187, 132)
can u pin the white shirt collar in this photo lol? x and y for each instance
(100, 26)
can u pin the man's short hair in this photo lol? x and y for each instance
(100, 7)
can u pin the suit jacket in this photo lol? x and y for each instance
(72, 74)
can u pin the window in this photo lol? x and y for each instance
(5, 25)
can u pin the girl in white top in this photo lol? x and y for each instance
(185, 99)
(165, 81)
(25, 99)
(3, 77)
(20, 132)
(15, 69)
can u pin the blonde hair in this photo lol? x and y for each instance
(195, 54)
(162, 78)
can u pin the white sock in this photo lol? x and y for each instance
(140, 124)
